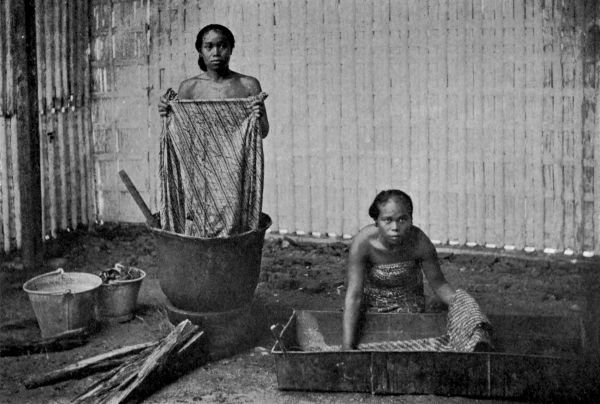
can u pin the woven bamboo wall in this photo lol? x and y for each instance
(62, 30)
(63, 42)
(486, 112)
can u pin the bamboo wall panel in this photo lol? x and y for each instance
(67, 183)
(62, 40)
(484, 111)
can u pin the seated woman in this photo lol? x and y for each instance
(386, 263)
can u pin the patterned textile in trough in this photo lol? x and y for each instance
(468, 330)
(211, 167)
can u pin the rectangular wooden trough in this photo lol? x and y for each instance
(534, 358)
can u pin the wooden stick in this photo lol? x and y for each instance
(145, 372)
(151, 220)
(87, 366)
(63, 341)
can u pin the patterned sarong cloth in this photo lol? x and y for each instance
(211, 167)
(468, 330)
(395, 288)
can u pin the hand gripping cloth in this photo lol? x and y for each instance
(468, 330)
(211, 167)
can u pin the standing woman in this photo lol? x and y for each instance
(386, 265)
(215, 44)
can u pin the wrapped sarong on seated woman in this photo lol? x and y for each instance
(386, 265)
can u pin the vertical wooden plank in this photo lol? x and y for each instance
(364, 116)
(381, 97)
(507, 27)
(80, 24)
(432, 120)
(416, 80)
(500, 138)
(51, 121)
(349, 111)
(72, 116)
(442, 213)
(4, 215)
(400, 93)
(267, 75)
(315, 63)
(280, 137)
(301, 191)
(25, 134)
(418, 24)
(594, 8)
(487, 123)
(464, 24)
(63, 150)
(41, 87)
(520, 65)
(556, 232)
(91, 211)
(17, 157)
(4, 182)
(478, 132)
(3, 58)
(60, 173)
(535, 128)
(333, 137)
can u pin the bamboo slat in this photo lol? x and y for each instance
(315, 119)
(463, 25)
(285, 158)
(349, 109)
(441, 214)
(4, 177)
(595, 12)
(534, 131)
(41, 85)
(16, 175)
(299, 124)
(333, 138)
(500, 138)
(3, 59)
(91, 211)
(364, 102)
(381, 95)
(520, 124)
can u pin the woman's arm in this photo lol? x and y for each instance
(258, 107)
(431, 268)
(354, 292)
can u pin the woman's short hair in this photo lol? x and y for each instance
(212, 27)
(385, 196)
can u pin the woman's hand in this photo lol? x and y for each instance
(258, 109)
(163, 106)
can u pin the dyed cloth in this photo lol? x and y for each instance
(211, 167)
(468, 330)
(395, 288)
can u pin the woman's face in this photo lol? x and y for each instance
(394, 221)
(215, 51)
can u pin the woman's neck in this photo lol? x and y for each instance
(218, 75)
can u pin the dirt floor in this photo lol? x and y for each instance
(295, 274)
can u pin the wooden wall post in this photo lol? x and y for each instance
(22, 39)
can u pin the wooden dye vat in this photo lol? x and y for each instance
(535, 358)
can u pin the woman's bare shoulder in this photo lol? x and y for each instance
(188, 87)
(251, 84)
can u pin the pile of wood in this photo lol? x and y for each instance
(136, 370)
